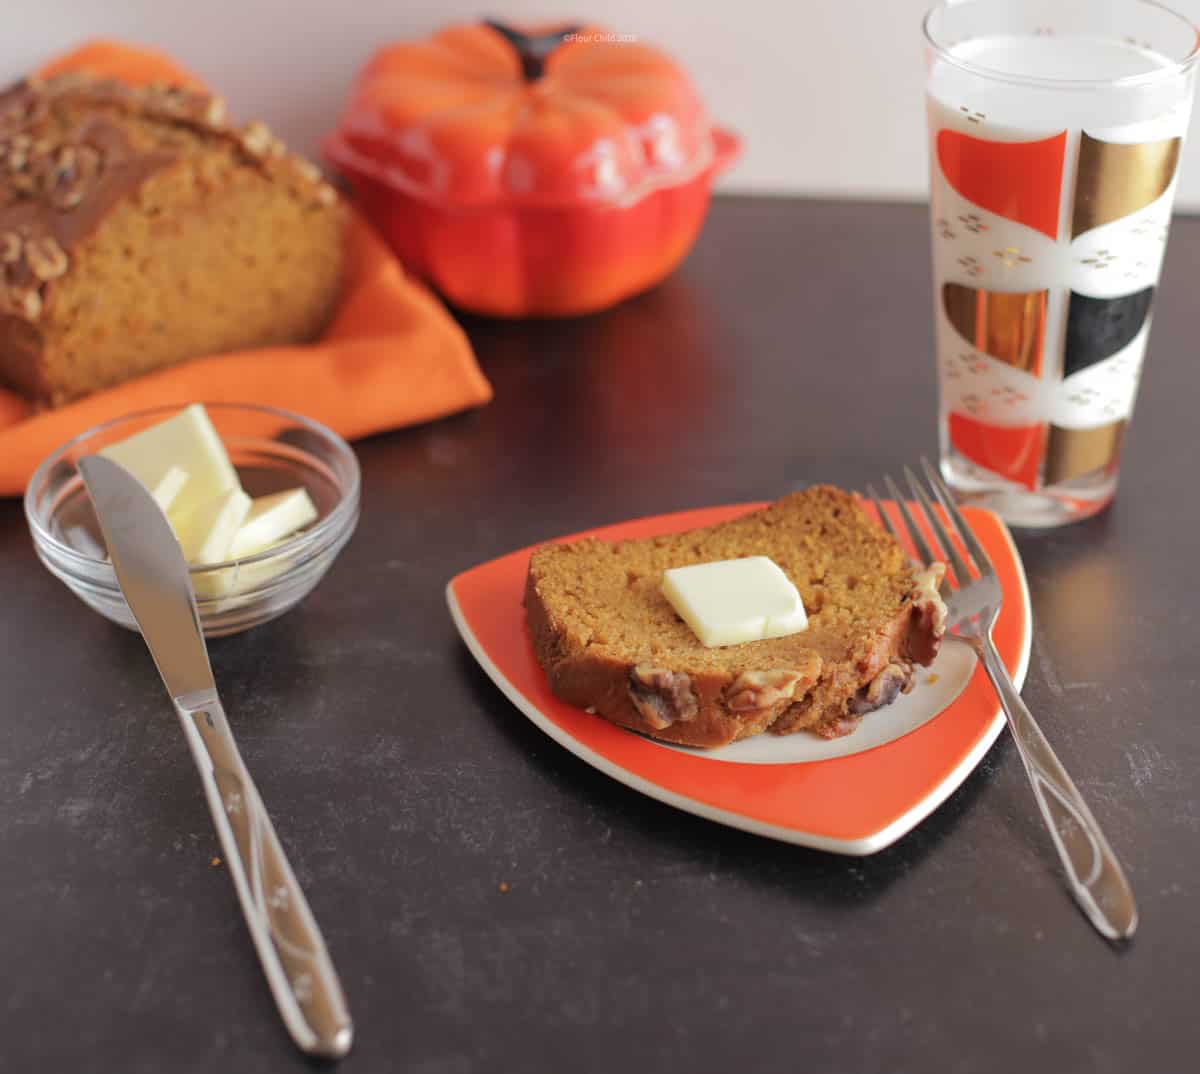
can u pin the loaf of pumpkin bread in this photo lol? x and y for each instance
(610, 641)
(139, 228)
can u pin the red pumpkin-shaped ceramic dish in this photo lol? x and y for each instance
(525, 174)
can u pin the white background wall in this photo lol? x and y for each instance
(827, 93)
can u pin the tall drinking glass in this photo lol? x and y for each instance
(1055, 134)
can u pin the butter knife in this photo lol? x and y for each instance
(154, 578)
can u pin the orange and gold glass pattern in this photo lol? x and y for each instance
(1007, 326)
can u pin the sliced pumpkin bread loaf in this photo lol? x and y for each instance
(139, 227)
(610, 642)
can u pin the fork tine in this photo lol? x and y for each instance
(962, 572)
(959, 523)
(887, 522)
(926, 556)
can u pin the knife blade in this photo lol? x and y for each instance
(154, 577)
(152, 573)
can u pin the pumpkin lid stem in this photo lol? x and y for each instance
(533, 50)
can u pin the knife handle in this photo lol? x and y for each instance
(289, 944)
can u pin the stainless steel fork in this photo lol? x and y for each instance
(972, 594)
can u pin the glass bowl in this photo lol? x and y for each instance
(272, 450)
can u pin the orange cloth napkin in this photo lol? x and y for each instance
(391, 357)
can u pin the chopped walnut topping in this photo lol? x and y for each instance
(257, 139)
(928, 590)
(214, 112)
(662, 696)
(22, 302)
(46, 259)
(69, 175)
(928, 623)
(10, 248)
(760, 690)
(307, 170)
(173, 100)
(892, 681)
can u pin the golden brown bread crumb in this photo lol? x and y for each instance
(138, 229)
(609, 640)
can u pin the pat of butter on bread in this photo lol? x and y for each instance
(733, 601)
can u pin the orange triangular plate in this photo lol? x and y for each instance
(855, 804)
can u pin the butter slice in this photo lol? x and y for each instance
(185, 441)
(206, 531)
(166, 492)
(733, 601)
(272, 518)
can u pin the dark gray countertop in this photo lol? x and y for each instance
(794, 345)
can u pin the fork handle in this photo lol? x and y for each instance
(1097, 880)
(289, 944)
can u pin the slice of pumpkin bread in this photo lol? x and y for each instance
(610, 642)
